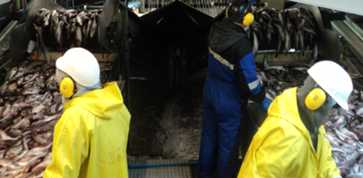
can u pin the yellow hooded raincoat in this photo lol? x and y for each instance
(90, 138)
(282, 147)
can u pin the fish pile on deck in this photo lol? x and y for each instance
(68, 27)
(282, 30)
(29, 107)
(344, 128)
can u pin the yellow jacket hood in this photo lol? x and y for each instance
(99, 102)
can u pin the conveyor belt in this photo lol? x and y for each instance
(4, 42)
(352, 34)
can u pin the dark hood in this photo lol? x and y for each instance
(224, 34)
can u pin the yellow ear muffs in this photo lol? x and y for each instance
(315, 99)
(248, 19)
(66, 87)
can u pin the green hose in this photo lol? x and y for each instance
(17, 4)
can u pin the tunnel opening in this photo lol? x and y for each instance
(168, 61)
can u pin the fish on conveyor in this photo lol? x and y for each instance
(287, 44)
(58, 33)
(93, 26)
(70, 13)
(44, 15)
(301, 44)
(73, 25)
(68, 26)
(284, 29)
(254, 42)
(54, 21)
(85, 33)
(78, 36)
(40, 40)
(80, 18)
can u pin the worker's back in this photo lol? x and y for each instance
(228, 44)
(95, 129)
(285, 141)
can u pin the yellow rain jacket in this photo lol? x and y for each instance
(282, 147)
(90, 138)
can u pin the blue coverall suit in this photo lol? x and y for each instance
(231, 80)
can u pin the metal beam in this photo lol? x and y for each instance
(284, 59)
(101, 57)
(348, 6)
(352, 34)
(277, 4)
(5, 42)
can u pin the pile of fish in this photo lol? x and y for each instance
(69, 27)
(344, 128)
(283, 29)
(29, 107)
(278, 78)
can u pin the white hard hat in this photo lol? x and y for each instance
(332, 78)
(81, 65)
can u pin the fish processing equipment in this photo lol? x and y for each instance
(167, 40)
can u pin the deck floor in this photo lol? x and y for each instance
(162, 169)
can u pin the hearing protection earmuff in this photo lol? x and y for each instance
(66, 87)
(247, 17)
(315, 99)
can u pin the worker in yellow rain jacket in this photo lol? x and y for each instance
(291, 142)
(90, 138)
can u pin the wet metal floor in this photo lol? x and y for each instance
(162, 169)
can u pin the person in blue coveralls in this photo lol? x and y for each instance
(231, 81)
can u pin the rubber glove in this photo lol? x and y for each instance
(266, 103)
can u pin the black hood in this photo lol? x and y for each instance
(224, 34)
